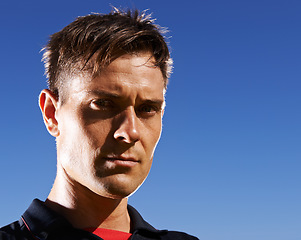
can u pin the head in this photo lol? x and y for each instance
(92, 42)
(107, 79)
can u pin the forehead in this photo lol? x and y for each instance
(130, 73)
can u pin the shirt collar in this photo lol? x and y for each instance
(41, 220)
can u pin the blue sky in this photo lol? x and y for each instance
(228, 164)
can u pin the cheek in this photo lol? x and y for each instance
(158, 129)
(74, 139)
(98, 132)
(153, 135)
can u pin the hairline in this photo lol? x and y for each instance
(63, 90)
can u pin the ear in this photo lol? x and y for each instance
(48, 104)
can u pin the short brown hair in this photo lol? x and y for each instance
(91, 42)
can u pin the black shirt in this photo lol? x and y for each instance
(41, 223)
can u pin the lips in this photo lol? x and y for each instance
(125, 161)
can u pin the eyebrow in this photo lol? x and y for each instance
(117, 96)
(154, 101)
(103, 93)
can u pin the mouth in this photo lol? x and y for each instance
(122, 160)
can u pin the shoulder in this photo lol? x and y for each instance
(174, 235)
(143, 228)
(13, 231)
(8, 232)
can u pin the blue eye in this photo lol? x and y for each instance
(102, 104)
(147, 109)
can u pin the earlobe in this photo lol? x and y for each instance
(48, 105)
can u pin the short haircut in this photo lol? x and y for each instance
(92, 42)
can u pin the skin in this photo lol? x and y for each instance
(106, 131)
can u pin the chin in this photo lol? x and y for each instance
(118, 192)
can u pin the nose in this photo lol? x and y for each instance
(127, 130)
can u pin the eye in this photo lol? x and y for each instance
(148, 110)
(102, 104)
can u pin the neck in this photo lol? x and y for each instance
(86, 209)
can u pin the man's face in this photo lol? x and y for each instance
(110, 125)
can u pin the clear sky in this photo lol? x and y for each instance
(228, 164)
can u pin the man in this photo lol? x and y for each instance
(107, 76)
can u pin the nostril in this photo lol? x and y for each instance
(121, 138)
